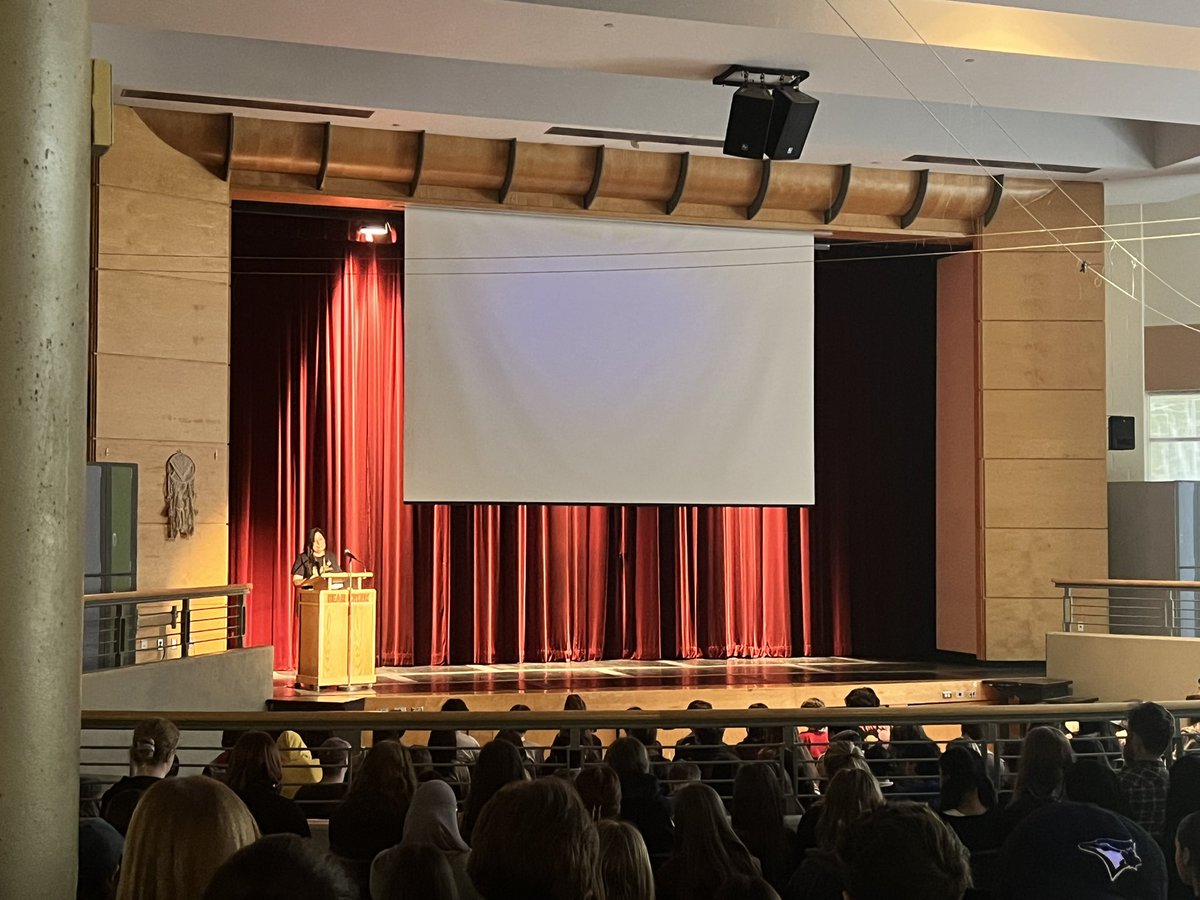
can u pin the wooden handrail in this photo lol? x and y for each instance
(1128, 582)
(183, 593)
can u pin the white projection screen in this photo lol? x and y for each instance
(560, 360)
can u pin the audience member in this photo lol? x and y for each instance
(416, 872)
(1092, 780)
(916, 767)
(91, 789)
(100, 846)
(453, 752)
(706, 747)
(182, 831)
(371, 818)
(1187, 853)
(625, 870)
(1183, 799)
(680, 775)
(599, 788)
(562, 756)
(1041, 773)
(316, 801)
(642, 801)
(1144, 779)
(535, 839)
(1097, 740)
(151, 753)
(422, 761)
(280, 867)
(654, 749)
(903, 851)
(746, 887)
(790, 759)
(758, 821)
(815, 738)
(976, 733)
(1076, 851)
(299, 767)
(432, 819)
(840, 755)
(500, 763)
(851, 794)
(533, 755)
(875, 738)
(967, 802)
(254, 774)
(216, 768)
(706, 851)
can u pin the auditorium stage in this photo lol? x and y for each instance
(663, 684)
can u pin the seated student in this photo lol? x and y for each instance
(182, 831)
(915, 769)
(317, 800)
(151, 754)
(840, 755)
(254, 774)
(432, 820)
(535, 839)
(1183, 799)
(100, 847)
(280, 867)
(903, 851)
(706, 851)
(648, 737)
(1092, 781)
(1097, 740)
(852, 794)
(371, 818)
(757, 818)
(561, 757)
(1187, 853)
(500, 763)
(1041, 774)
(967, 802)
(706, 747)
(1144, 779)
(625, 870)
(976, 734)
(875, 738)
(299, 767)
(453, 751)
(599, 788)
(416, 872)
(216, 768)
(1076, 851)
(816, 739)
(534, 756)
(680, 775)
(643, 803)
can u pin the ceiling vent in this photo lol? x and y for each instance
(242, 103)
(999, 164)
(634, 137)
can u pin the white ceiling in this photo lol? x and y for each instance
(1105, 83)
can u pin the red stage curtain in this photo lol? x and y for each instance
(317, 434)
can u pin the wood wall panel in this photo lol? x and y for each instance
(1043, 355)
(1045, 493)
(142, 398)
(1044, 424)
(163, 315)
(1172, 354)
(1029, 286)
(159, 225)
(1070, 204)
(195, 561)
(1024, 562)
(139, 160)
(212, 476)
(1017, 627)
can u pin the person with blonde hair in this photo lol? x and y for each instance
(299, 767)
(1046, 755)
(707, 852)
(182, 831)
(151, 753)
(838, 756)
(624, 863)
(853, 793)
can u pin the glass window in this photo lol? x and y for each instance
(1174, 437)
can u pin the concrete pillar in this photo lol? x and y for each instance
(45, 150)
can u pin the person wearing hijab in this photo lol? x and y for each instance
(299, 767)
(433, 820)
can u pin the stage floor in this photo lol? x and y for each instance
(654, 683)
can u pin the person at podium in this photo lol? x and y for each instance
(316, 559)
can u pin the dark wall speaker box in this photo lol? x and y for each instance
(749, 122)
(792, 116)
(1120, 433)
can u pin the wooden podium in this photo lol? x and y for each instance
(337, 631)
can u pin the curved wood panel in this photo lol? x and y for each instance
(266, 158)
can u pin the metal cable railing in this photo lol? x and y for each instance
(131, 627)
(1124, 606)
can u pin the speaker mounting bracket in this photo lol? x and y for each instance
(737, 76)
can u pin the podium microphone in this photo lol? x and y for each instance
(347, 553)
